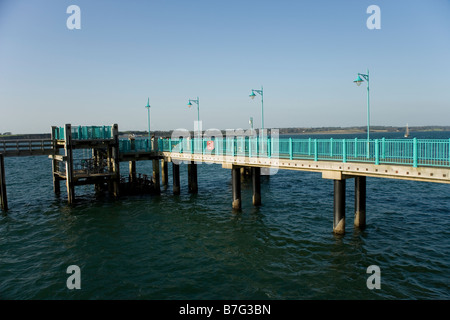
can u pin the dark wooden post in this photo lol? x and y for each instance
(165, 173)
(236, 187)
(360, 202)
(256, 182)
(339, 207)
(115, 160)
(132, 164)
(176, 178)
(68, 151)
(55, 164)
(3, 195)
(155, 163)
(192, 177)
(97, 162)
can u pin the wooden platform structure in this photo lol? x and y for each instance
(100, 169)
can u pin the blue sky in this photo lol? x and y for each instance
(304, 53)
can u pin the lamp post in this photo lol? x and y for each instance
(358, 82)
(198, 112)
(148, 111)
(253, 95)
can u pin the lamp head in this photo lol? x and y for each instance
(358, 81)
(252, 95)
(189, 104)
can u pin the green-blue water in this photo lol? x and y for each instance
(196, 247)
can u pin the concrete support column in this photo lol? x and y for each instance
(256, 182)
(339, 207)
(236, 187)
(3, 196)
(176, 178)
(192, 177)
(360, 202)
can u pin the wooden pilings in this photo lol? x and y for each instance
(132, 164)
(339, 207)
(132, 171)
(339, 204)
(156, 183)
(176, 178)
(192, 177)
(256, 184)
(115, 160)
(360, 202)
(3, 195)
(68, 153)
(236, 187)
(165, 173)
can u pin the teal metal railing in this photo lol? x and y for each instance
(411, 152)
(84, 132)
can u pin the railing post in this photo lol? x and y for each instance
(3, 194)
(249, 146)
(257, 146)
(309, 146)
(192, 145)
(356, 147)
(331, 147)
(315, 150)
(448, 160)
(415, 156)
(344, 151)
(383, 148)
(377, 152)
(269, 148)
(291, 156)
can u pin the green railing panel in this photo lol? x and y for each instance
(411, 152)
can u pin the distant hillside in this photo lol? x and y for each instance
(295, 130)
(25, 136)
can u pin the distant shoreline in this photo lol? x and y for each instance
(296, 131)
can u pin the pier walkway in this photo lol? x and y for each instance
(336, 159)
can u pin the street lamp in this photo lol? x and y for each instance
(198, 112)
(253, 95)
(148, 109)
(358, 82)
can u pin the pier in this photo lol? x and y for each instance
(335, 159)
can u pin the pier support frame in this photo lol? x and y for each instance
(132, 169)
(156, 182)
(236, 187)
(339, 207)
(176, 178)
(360, 202)
(256, 183)
(132, 164)
(68, 152)
(115, 160)
(155, 165)
(55, 165)
(192, 177)
(3, 195)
